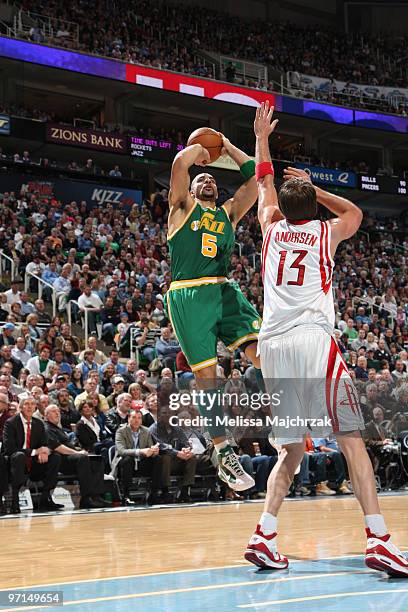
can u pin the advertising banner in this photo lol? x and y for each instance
(87, 139)
(329, 176)
(4, 124)
(217, 90)
(203, 88)
(380, 121)
(66, 190)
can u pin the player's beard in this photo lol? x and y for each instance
(207, 195)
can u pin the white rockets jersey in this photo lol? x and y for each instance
(297, 272)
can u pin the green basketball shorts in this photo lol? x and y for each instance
(203, 311)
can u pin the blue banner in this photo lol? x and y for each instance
(329, 176)
(66, 190)
(96, 194)
(4, 124)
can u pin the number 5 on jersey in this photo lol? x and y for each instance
(209, 245)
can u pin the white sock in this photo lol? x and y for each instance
(376, 524)
(268, 523)
(221, 445)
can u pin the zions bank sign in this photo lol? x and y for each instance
(88, 139)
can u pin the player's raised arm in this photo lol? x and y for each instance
(268, 209)
(348, 215)
(179, 196)
(245, 197)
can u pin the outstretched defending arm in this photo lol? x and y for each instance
(268, 209)
(245, 196)
(348, 215)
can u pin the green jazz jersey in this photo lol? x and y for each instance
(202, 246)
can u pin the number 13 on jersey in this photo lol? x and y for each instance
(296, 265)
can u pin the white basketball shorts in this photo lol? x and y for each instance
(306, 371)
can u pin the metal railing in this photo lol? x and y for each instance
(239, 245)
(134, 348)
(253, 257)
(47, 27)
(245, 69)
(366, 234)
(361, 300)
(41, 284)
(3, 259)
(5, 29)
(85, 320)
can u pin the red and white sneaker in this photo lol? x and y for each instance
(384, 556)
(261, 551)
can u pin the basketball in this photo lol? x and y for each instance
(209, 139)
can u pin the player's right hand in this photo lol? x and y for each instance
(290, 172)
(203, 158)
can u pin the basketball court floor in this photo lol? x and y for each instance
(190, 558)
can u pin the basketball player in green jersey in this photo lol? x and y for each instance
(203, 306)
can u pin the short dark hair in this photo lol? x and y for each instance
(297, 199)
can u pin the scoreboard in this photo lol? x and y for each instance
(151, 148)
(383, 184)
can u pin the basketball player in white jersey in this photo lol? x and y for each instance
(296, 341)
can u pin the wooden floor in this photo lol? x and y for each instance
(54, 549)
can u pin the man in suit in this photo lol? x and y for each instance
(3, 483)
(90, 473)
(25, 445)
(5, 414)
(138, 455)
(174, 443)
(4, 411)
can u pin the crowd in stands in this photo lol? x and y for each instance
(91, 168)
(113, 262)
(351, 97)
(155, 34)
(25, 111)
(86, 168)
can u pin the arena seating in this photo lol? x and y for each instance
(122, 256)
(143, 31)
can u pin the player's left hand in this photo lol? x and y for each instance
(290, 172)
(264, 123)
(226, 144)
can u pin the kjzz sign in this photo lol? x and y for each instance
(4, 124)
(102, 195)
(95, 194)
(329, 176)
(87, 139)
